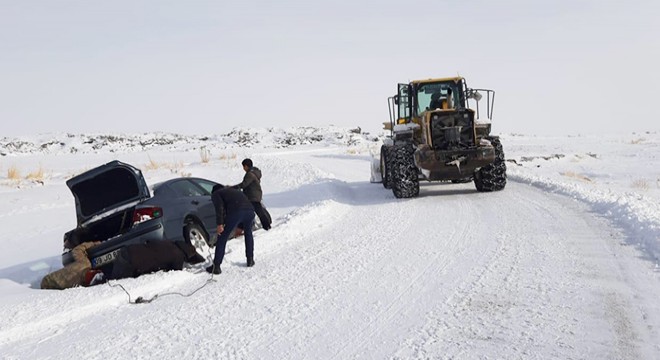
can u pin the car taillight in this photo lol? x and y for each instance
(146, 214)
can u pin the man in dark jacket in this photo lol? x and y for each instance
(251, 186)
(232, 208)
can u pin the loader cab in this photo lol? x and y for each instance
(420, 96)
(441, 94)
(415, 100)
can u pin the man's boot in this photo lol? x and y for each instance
(214, 269)
(250, 262)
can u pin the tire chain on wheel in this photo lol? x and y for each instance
(386, 170)
(405, 178)
(492, 177)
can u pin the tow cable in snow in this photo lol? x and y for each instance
(141, 300)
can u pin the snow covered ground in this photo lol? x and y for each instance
(562, 264)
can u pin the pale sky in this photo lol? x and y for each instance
(204, 67)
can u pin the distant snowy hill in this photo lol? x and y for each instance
(67, 143)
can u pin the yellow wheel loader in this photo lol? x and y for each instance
(437, 134)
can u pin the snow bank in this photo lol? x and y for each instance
(617, 176)
(636, 214)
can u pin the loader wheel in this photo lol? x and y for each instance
(405, 177)
(386, 166)
(492, 177)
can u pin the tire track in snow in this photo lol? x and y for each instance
(482, 316)
(321, 256)
(464, 297)
(400, 302)
(304, 302)
(475, 304)
(525, 297)
(411, 210)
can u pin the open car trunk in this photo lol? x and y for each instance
(105, 197)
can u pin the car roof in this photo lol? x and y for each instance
(167, 182)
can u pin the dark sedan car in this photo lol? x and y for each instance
(114, 206)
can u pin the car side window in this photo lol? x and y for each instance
(163, 191)
(186, 188)
(206, 185)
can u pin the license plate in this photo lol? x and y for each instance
(105, 258)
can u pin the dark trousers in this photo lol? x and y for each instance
(262, 213)
(243, 217)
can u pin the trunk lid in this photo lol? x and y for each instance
(106, 188)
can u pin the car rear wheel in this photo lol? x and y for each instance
(197, 237)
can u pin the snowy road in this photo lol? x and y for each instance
(351, 272)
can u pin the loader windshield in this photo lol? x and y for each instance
(441, 95)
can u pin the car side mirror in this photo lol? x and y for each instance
(476, 95)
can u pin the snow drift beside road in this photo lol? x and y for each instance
(618, 176)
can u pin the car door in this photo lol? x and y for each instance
(190, 200)
(206, 210)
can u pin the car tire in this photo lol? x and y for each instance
(199, 239)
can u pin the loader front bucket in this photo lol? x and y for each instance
(376, 175)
